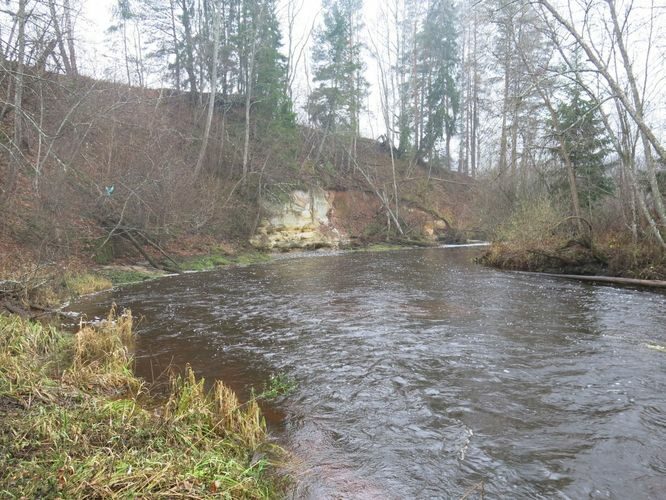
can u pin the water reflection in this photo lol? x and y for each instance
(422, 375)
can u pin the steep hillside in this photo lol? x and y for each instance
(108, 173)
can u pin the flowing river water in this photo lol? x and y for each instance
(423, 375)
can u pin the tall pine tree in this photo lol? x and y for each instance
(428, 70)
(270, 67)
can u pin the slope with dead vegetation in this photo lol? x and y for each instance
(107, 177)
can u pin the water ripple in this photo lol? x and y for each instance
(421, 375)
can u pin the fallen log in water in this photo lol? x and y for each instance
(611, 279)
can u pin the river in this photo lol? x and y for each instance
(422, 375)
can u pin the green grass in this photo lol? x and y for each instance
(76, 423)
(252, 258)
(211, 261)
(84, 283)
(125, 276)
(380, 247)
(277, 386)
(205, 262)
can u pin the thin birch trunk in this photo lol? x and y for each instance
(213, 91)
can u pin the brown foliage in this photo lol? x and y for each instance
(104, 160)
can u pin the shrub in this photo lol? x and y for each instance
(532, 222)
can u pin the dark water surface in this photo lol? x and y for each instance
(421, 375)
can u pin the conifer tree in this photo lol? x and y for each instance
(439, 67)
(428, 70)
(336, 102)
(270, 71)
(587, 143)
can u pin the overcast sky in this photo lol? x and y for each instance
(99, 57)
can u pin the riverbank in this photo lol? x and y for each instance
(606, 258)
(348, 327)
(540, 237)
(100, 432)
(75, 421)
(33, 290)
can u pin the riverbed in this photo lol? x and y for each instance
(423, 375)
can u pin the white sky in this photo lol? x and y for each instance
(99, 57)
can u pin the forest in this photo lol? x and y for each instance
(549, 113)
(144, 138)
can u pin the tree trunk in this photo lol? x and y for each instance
(636, 116)
(15, 152)
(69, 29)
(564, 153)
(126, 52)
(174, 36)
(59, 37)
(249, 75)
(189, 48)
(505, 111)
(475, 103)
(415, 97)
(211, 97)
(638, 103)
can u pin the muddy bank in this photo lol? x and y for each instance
(607, 260)
(572, 258)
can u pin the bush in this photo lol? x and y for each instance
(532, 222)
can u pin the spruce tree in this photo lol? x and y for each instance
(336, 102)
(270, 73)
(439, 68)
(587, 143)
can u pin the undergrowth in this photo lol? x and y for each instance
(533, 223)
(76, 423)
(278, 385)
(380, 247)
(538, 236)
(205, 262)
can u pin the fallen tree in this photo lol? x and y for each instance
(610, 279)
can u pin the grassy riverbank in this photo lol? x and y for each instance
(30, 289)
(75, 422)
(627, 260)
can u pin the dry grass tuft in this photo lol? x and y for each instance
(71, 424)
(84, 283)
(220, 411)
(101, 355)
(244, 422)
